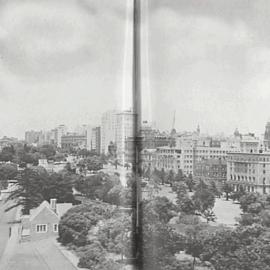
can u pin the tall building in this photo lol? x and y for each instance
(61, 130)
(267, 136)
(108, 130)
(32, 136)
(124, 128)
(96, 140)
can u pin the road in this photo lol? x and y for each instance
(41, 255)
(110, 169)
(5, 218)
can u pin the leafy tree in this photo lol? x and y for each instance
(7, 172)
(186, 205)
(245, 248)
(75, 224)
(227, 188)
(48, 151)
(190, 182)
(7, 153)
(214, 189)
(115, 233)
(159, 240)
(170, 177)
(203, 199)
(35, 186)
(248, 199)
(209, 215)
(127, 165)
(238, 194)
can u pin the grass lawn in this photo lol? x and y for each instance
(226, 211)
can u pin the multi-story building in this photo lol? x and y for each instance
(96, 140)
(249, 170)
(191, 149)
(7, 141)
(211, 170)
(108, 130)
(32, 136)
(73, 140)
(267, 136)
(61, 130)
(124, 129)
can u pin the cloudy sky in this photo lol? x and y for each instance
(67, 61)
(60, 62)
(210, 61)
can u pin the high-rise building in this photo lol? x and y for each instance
(108, 130)
(61, 130)
(32, 136)
(96, 139)
(124, 129)
(267, 136)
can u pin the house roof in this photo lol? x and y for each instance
(62, 208)
(36, 211)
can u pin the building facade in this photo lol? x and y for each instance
(250, 171)
(108, 130)
(96, 140)
(210, 170)
(73, 140)
(124, 129)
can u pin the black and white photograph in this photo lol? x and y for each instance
(134, 135)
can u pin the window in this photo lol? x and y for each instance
(55, 227)
(41, 228)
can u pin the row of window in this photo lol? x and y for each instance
(243, 178)
(43, 228)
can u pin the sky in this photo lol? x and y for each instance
(60, 62)
(210, 62)
(67, 61)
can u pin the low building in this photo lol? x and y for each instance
(42, 222)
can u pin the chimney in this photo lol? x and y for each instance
(53, 204)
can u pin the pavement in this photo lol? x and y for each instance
(38, 255)
(110, 169)
(6, 219)
(41, 255)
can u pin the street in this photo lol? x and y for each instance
(5, 218)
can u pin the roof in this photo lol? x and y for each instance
(62, 208)
(36, 211)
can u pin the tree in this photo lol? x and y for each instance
(214, 189)
(170, 177)
(159, 240)
(203, 199)
(248, 199)
(209, 215)
(238, 194)
(7, 172)
(35, 186)
(75, 224)
(186, 205)
(227, 188)
(92, 163)
(189, 182)
(245, 248)
(127, 165)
